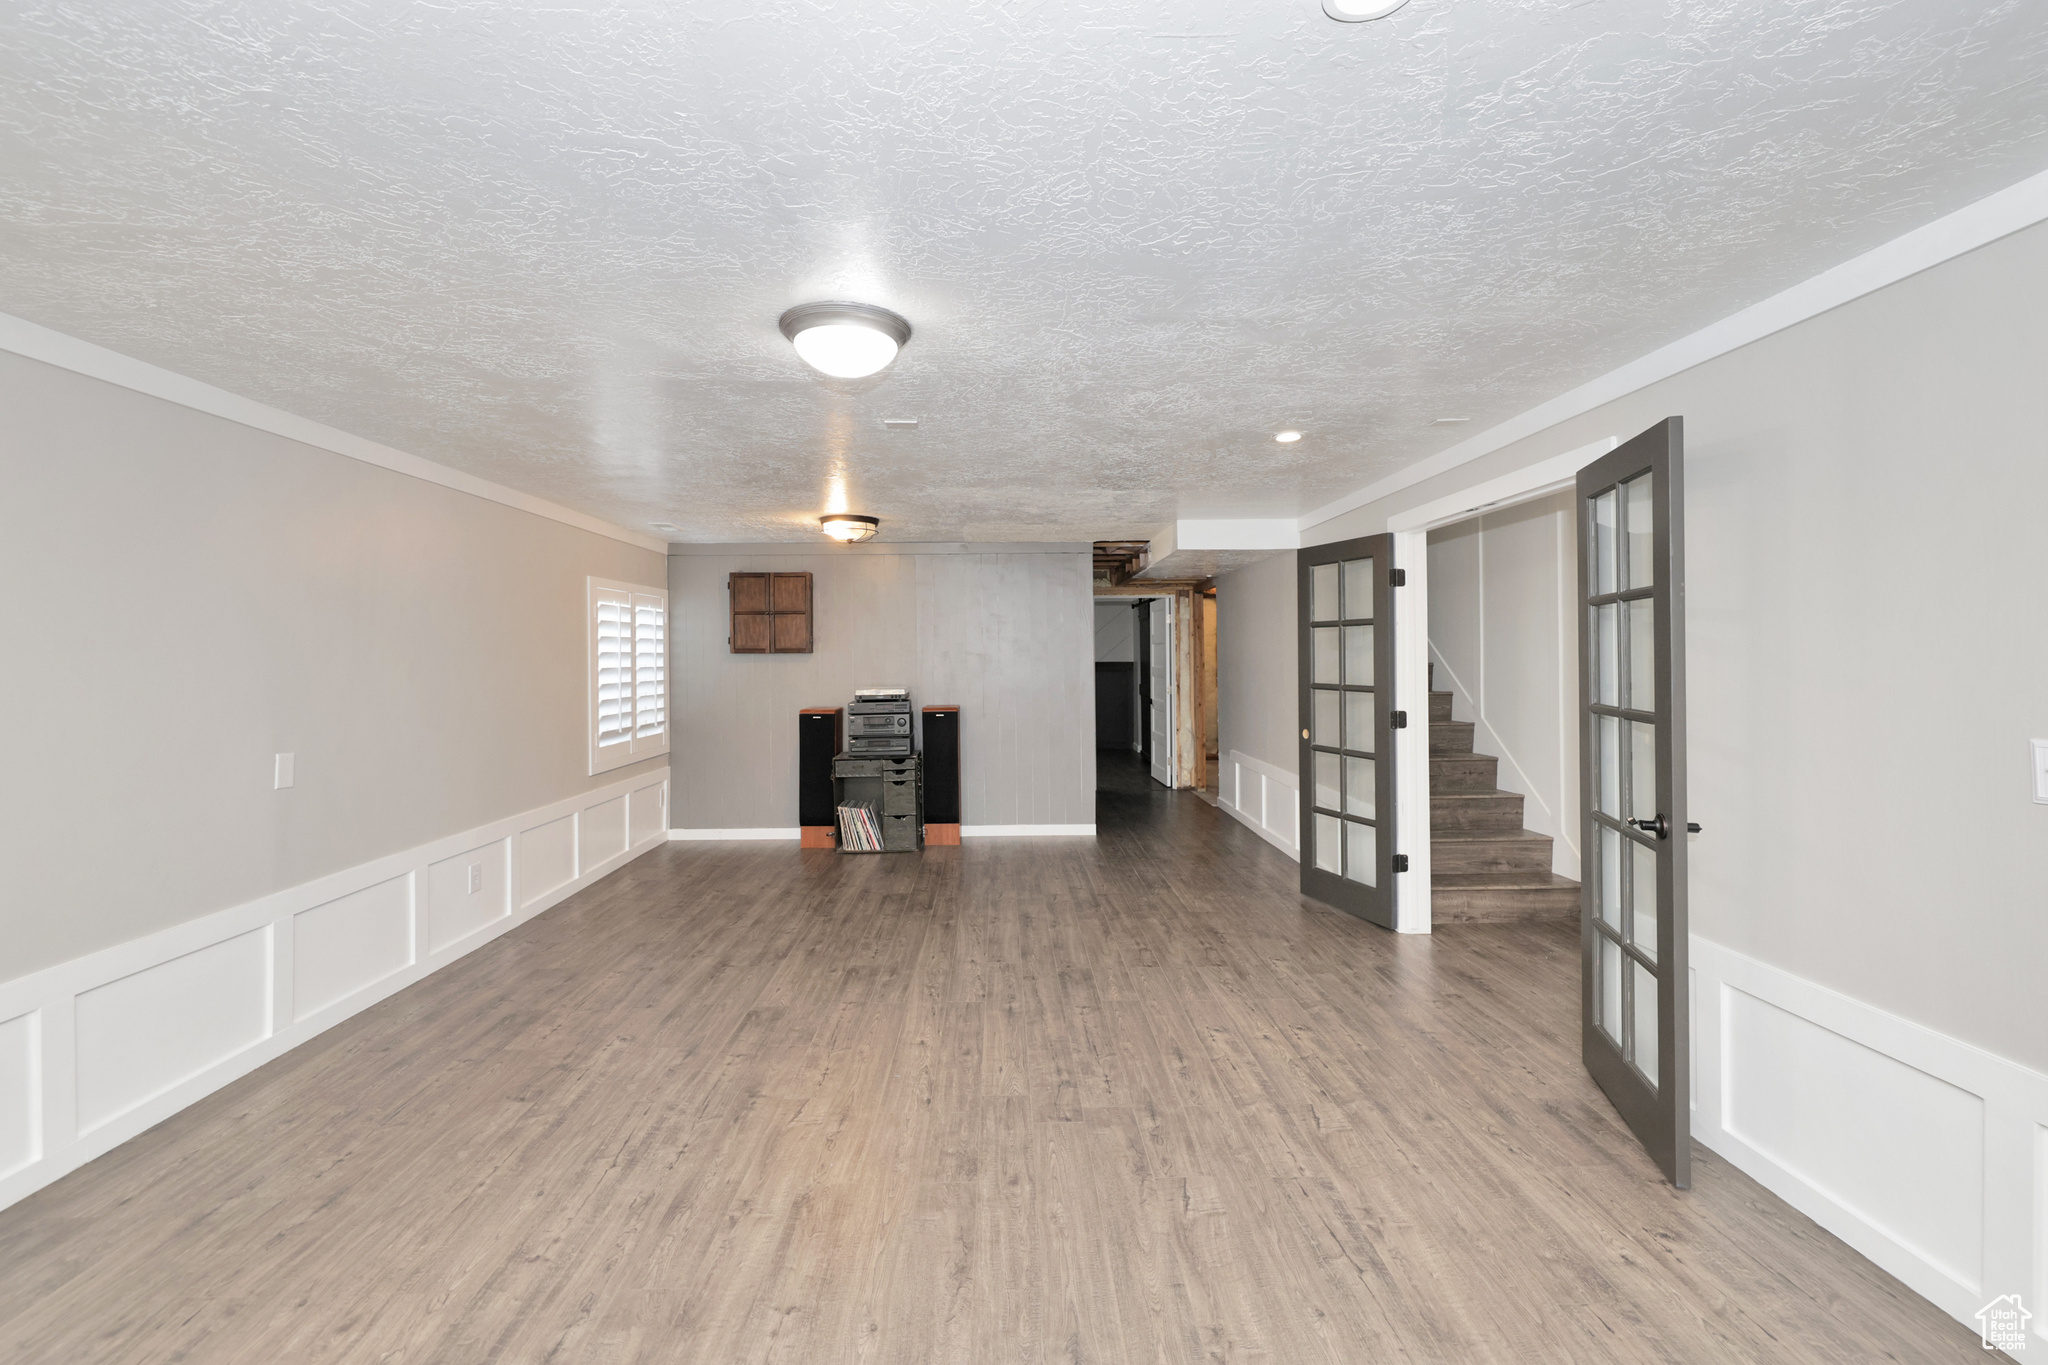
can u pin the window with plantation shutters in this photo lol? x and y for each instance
(628, 674)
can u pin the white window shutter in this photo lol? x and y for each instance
(628, 674)
(650, 673)
(613, 642)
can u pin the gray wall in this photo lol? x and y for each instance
(1116, 640)
(1256, 704)
(1004, 632)
(186, 596)
(1864, 590)
(1502, 635)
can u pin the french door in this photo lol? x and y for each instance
(1346, 625)
(1632, 912)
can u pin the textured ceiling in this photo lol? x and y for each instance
(549, 245)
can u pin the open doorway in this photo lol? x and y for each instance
(1122, 698)
(1160, 635)
(1504, 733)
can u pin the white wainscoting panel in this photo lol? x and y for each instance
(647, 809)
(350, 943)
(1262, 796)
(547, 856)
(141, 1035)
(18, 1093)
(95, 1050)
(602, 831)
(1919, 1150)
(1902, 1148)
(2040, 1221)
(471, 889)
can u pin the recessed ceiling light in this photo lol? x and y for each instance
(845, 340)
(1358, 11)
(899, 423)
(667, 528)
(1286, 438)
(849, 526)
(1449, 421)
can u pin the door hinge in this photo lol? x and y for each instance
(1397, 720)
(1400, 862)
(1397, 578)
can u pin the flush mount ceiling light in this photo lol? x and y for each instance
(1358, 11)
(845, 340)
(849, 527)
(1287, 438)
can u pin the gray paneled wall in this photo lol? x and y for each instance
(1006, 632)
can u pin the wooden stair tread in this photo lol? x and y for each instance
(1501, 881)
(1497, 836)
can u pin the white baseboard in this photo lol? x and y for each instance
(98, 1049)
(792, 834)
(1013, 831)
(1264, 797)
(1926, 1154)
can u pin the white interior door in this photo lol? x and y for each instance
(1162, 681)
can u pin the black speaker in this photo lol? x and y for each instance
(817, 744)
(942, 774)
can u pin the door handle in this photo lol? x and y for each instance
(1660, 826)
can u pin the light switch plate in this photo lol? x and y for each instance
(2041, 771)
(476, 878)
(283, 774)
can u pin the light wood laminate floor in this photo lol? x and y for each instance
(1121, 1100)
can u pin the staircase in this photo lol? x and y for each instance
(1482, 864)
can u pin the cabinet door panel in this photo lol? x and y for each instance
(792, 634)
(792, 593)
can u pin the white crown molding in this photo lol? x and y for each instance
(2010, 210)
(26, 338)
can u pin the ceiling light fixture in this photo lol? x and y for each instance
(845, 340)
(849, 527)
(1358, 11)
(1287, 438)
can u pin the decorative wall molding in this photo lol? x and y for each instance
(98, 1049)
(82, 357)
(1264, 797)
(1924, 1153)
(2011, 210)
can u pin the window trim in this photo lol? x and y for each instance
(634, 597)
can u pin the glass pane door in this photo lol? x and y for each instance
(1632, 756)
(1346, 768)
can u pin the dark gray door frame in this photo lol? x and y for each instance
(1633, 843)
(1339, 746)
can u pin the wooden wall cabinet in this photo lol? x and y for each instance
(771, 613)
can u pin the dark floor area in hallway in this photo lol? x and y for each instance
(1121, 772)
(1126, 1099)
